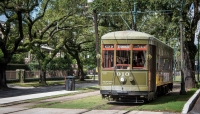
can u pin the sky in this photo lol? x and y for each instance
(2, 18)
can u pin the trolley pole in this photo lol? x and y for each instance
(134, 16)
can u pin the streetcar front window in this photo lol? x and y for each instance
(108, 56)
(123, 59)
(123, 56)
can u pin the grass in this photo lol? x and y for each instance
(168, 103)
(93, 102)
(80, 90)
(37, 84)
(86, 103)
(172, 102)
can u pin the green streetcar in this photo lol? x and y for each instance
(135, 66)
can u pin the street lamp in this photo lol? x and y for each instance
(97, 39)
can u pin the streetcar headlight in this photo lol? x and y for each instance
(122, 79)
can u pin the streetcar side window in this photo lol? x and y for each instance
(166, 65)
(161, 64)
(138, 58)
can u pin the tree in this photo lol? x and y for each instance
(13, 31)
(18, 58)
(161, 24)
(171, 29)
(77, 28)
(55, 29)
(76, 46)
(47, 31)
(190, 49)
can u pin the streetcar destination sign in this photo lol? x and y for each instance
(123, 46)
(108, 46)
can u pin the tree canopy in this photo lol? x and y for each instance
(68, 26)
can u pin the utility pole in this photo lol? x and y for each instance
(182, 91)
(97, 40)
(97, 43)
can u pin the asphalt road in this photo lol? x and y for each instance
(196, 107)
(18, 91)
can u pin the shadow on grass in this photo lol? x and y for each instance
(173, 97)
(125, 103)
(172, 102)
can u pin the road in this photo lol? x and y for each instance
(196, 107)
(18, 91)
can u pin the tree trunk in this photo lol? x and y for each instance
(43, 77)
(3, 83)
(80, 69)
(82, 74)
(189, 69)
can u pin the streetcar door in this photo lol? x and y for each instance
(152, 68)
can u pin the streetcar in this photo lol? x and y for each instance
(135, 66)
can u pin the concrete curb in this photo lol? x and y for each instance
(190, 103)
